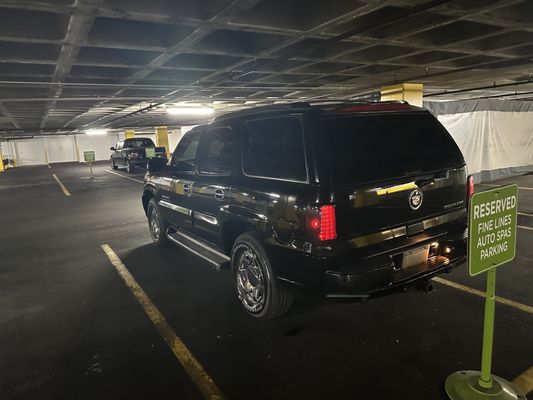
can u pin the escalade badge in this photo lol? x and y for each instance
(415, 199)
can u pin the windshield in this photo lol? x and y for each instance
(380, 146)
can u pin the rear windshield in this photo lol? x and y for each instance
(375, 147)
(140, 142)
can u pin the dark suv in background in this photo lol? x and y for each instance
(345, 199)
(134, 152)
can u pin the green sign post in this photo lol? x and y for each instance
(89, 158)
(491, 243)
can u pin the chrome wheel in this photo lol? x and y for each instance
(250, 282)
(154, 224)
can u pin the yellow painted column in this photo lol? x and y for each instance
(410, 92)
(2, 168)
(161, 138)
(130, 133)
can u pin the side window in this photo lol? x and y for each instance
(217, 152)
(274, 148)
(184, 157)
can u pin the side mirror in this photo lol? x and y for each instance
(112, 148)
(156, 164)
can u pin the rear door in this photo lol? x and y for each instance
(390, 173)
(117, 154)
(176, 185)
(218, 158)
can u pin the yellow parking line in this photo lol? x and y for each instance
(502, 300)
(200, 377)
(125, 177)
(63, 188)
(525, 227)
(524, 382)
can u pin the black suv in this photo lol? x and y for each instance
(346, 199)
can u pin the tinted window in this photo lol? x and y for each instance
(381, 146)
(139, 142)
(184, 157)
(217, 151)
(274, 148)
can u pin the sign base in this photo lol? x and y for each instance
(463, 385)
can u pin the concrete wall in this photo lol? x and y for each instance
(57, 148)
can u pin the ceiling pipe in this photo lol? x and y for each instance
(493, 86)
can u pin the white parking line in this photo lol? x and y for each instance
(525, 227)
(125, 177)
(525, 214)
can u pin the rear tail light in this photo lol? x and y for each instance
(324, 223)
(134, 155)
(469, 187)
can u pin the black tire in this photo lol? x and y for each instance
(154, 217)
(129, 167)
(276, 297)
(113, 165)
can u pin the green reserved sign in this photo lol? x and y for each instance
(492, 228)
(491, 243)
(149, 152)
(88, 156)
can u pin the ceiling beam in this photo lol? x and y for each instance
(79, 25)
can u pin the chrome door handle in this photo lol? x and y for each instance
(219, 194)
(187, 187)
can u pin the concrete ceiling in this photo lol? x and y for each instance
(70, 65)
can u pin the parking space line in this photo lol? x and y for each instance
(492, 185)
(502, 300)
(524, 382)
(200, 377)
(525, 214)
(63, 188)
(125, 177)
(525, 227)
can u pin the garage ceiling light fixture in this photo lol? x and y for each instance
(192, 111)
(96, 132)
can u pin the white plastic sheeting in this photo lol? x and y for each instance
(496, 139)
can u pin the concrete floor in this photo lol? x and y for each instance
(71, 329)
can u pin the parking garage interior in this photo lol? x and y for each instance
(91, 308)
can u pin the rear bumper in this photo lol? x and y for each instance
(369, 283)
(389, 276)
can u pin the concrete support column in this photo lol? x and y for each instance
(130, 133)
(2, 168)
(161, 138)
(410, 92)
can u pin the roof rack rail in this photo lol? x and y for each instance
(304, 105)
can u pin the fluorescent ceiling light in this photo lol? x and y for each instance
(94, 132)
(193, 111)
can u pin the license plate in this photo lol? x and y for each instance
(415, 257)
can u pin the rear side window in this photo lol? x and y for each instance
(274, 148)
(217, 152)
(376, 147)
(184, 157)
